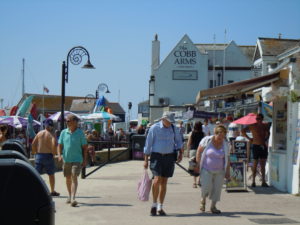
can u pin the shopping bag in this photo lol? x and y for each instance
(144, 187)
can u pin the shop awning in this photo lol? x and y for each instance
(237, 88)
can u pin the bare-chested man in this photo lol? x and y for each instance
(260, 133)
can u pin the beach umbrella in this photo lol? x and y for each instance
(101, 116)
(57, 116)
(17, 121)
(246, 120)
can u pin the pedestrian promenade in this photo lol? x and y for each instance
(109, 197)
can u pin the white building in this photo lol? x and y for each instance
(278, 81)
(272, 55)
(268, 53)
(192, 67)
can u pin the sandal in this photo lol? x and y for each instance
(214, 210)
(202, 206)
(194, 185)
(54, 193)
(74, 203)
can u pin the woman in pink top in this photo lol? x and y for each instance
(213, 164)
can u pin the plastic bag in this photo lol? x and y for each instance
(144, 187)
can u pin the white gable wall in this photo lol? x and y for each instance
(181, 75)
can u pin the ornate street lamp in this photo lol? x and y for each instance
(75, 57)
(89, 96)
(102, 88)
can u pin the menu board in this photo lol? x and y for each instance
(237, 179)
(240, 149)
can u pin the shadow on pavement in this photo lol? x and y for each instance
(103, 204)
(226, 214)
(64, 196)
(265, 191)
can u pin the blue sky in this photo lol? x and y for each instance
(118, 36)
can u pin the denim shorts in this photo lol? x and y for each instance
(45, 162)
(162, 165)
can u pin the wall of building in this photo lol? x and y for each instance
(181, 74)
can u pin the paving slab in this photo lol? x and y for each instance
(109, 196)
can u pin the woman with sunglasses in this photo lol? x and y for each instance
(213, 164)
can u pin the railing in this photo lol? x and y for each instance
(100, 146)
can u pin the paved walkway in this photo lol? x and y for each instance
(109, 197)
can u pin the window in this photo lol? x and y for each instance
(211, 84)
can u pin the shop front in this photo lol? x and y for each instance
(285, 135)
(284, 141)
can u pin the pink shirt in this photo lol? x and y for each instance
(214, 159)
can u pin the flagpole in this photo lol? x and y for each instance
(43, 100)
(224, 58)
(214, 50)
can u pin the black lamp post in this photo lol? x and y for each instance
(89, 96)
(103, 88)
(75, 57)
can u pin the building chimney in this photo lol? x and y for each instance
(155, 54)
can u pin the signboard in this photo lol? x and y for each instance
(204, 114)
(240, 149)
(297, 143)
(185, 75)
(238, 177)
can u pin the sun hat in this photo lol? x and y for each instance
(170, 116)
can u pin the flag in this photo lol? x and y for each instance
(25, 106)
(45, 89)
(100, 105)
(29, 130)
(267, 111)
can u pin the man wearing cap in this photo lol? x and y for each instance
(44, 148)
(163, 141)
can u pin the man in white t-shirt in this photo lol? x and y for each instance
(206, 128)
(233, 130)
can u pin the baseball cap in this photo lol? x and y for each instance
(48, 122)
(170, 116)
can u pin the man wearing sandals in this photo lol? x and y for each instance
(73, 145)
(44, 149)
(161, 141)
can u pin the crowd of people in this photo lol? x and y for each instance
(209, 146)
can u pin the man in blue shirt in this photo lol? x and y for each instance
(73, 144)
(163, 140)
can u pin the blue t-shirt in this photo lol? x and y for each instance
(72, 145)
